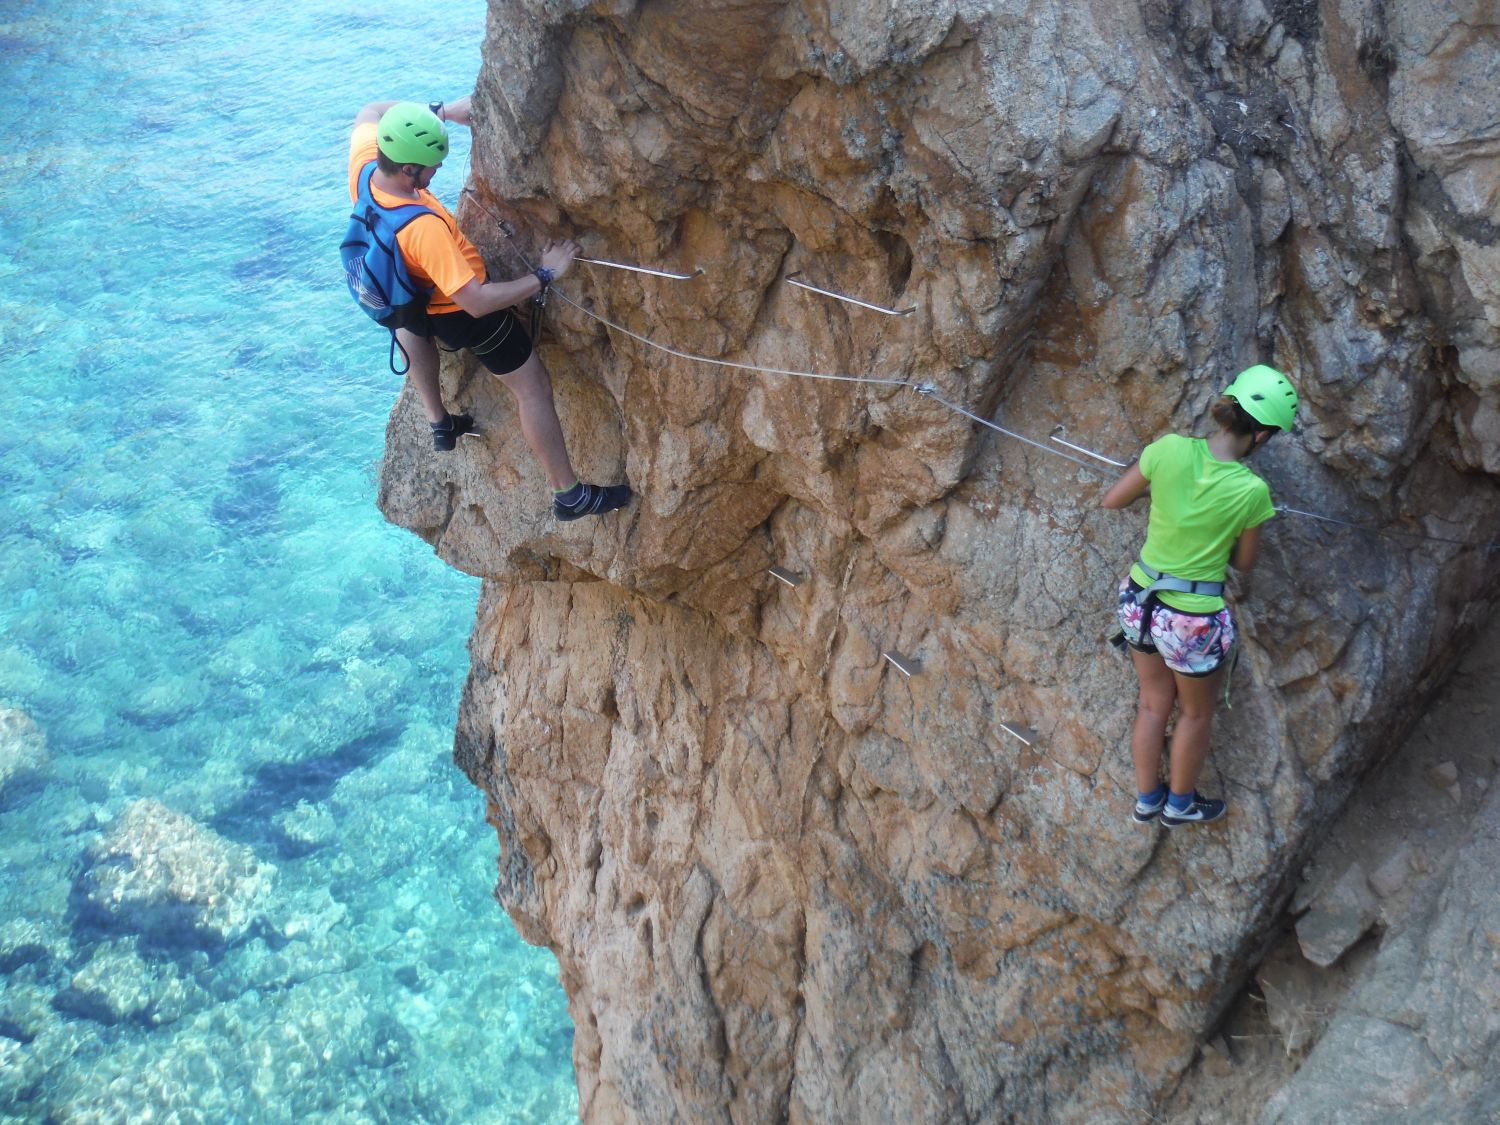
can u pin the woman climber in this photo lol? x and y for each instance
(1207, 508)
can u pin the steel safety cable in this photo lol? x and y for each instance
(728, 362)
(925, 389)
(1389, 531)
(510, 240)
(1288, 510)
(928, 390)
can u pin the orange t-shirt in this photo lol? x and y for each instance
(436, 252)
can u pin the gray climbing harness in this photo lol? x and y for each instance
(1160, 580)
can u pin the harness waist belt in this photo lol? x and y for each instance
(1160, 580)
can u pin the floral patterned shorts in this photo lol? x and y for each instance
(1193, 644)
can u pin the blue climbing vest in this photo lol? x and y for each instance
(373, 266)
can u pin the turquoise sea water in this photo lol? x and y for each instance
(201, 608)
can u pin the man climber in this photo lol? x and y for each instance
(406, 143)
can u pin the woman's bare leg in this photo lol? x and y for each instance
(1197, 696)
(1158, 694)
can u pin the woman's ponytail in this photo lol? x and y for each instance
(1230, 415)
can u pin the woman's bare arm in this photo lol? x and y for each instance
(1246, 549)
(1131, 486)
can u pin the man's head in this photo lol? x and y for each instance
(412, 142)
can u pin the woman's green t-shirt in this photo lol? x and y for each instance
(1199, 507)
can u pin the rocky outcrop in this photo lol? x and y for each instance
(781, 879)
(1420, 1039)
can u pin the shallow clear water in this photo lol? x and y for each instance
(200, 604)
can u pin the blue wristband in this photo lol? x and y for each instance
(545, 276)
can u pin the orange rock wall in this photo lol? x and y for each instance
(782, 880)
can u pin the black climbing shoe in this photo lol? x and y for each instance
(593, 500)
(445, 434)
(1199, 811)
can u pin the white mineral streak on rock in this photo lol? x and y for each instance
(783, 881)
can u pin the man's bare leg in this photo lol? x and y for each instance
(422, 353)
(532, 387)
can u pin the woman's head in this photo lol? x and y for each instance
(1231, 416)
(1261, 400)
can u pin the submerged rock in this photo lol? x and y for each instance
(306, 915)
(117, 984)
(24, 941)
(306, 826)
(23, 747)
(159, 873)
(27, 1010)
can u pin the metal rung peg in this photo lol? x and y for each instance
(908, 666)
(782, 574)
(1057, 435)
(669, 274)
(1022, 733)
(792, 278)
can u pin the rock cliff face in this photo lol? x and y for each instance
(1418, 1039)
(783, 880)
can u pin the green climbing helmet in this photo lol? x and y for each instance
(1266, 395)
(412, 134)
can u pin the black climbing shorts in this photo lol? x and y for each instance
(497, 339)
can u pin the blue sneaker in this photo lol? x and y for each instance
(1145, 811)
(1200, 810)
